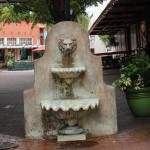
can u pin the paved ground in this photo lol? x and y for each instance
(133, 133)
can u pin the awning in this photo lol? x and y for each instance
(17, 46)
(41, 48)
(120, 14)
(23, 53)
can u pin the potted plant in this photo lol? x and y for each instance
(134, 80)
(10, 63)
(10, 60)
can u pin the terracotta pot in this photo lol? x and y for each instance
(9, 68)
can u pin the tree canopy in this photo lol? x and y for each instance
(45, 11)
(109, 40)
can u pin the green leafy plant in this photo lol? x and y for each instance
(10, 63)
(10, 55)
(10, 59)
(135, 74)
(109, 40)
(44, 11)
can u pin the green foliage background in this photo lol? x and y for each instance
(42, 11)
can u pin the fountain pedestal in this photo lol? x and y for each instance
(71, 137)
(70, 110)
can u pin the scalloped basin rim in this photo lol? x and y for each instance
(73, 69)
(68, 73)
(67, 104)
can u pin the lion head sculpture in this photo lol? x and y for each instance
(67, 44)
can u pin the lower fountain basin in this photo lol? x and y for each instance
(70, 109)
(67, 104)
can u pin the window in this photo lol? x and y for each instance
(142, 34)
(1, 41)
(11, 41)
(26, 41)
(133, 37)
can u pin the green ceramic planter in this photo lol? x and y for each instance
(139, 101)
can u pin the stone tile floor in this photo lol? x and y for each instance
(133, 133)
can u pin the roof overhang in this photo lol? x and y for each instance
(17, 46)
(119, 14)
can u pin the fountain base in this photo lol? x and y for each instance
(74, 133)
(71, 137)
(71, 130)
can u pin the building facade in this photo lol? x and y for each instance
(16, 37)
(128, 21)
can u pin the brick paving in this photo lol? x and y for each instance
(133, 133)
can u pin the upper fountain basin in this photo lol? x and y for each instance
(67, 73)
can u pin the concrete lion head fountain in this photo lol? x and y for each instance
(69, 99)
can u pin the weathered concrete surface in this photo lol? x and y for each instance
(100, 121)
(103, 120)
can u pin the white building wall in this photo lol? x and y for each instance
(99, 46)
(94, 12)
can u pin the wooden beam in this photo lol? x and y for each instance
(111, 53)
(133, 3)
(112, 26)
